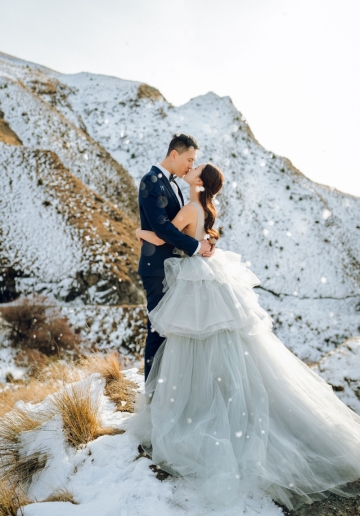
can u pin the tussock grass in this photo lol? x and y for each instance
(45, 381)
(107, 365)
(22, 470)
(19, 469)
(118, 388)
(61, 495)
(76, 403)
(80, 412)
(33, 392)
(17, 421)
(12, 498)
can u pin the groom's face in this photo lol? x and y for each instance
(184, 162)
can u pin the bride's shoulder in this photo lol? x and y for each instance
(188, 209)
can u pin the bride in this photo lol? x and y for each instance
(227, 406)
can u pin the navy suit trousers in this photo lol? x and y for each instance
(153, 286)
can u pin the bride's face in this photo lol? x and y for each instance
(193, 176)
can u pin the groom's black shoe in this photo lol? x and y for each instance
(160, 474)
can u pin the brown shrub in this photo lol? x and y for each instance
(23, 315)
(37, 323)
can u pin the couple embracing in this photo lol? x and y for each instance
(227, 407)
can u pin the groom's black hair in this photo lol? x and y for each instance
(182, 142)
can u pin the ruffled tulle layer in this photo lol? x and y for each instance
(206, 296)
(235, 409)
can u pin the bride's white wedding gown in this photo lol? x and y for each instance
(228, 406)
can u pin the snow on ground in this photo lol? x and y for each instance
(7, 363)
(105, 478)
(341, 369)
(311, 328)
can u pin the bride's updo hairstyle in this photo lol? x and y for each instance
(213, 180)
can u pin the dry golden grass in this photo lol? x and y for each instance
(118, 388)
(107, 365)
(22, 469)
(17, 421)
(7, 135)
(46, 381)
(17, 468)
(61, 495)
(59, 372)
(33, 392)
(12, 498)
(74, 401)
(80, 412)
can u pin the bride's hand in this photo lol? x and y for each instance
(138, 237)
(208, 254)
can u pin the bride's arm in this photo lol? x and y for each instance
(183, 218)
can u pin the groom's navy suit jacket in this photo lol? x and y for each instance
(158, 205)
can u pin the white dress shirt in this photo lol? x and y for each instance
(167, 174)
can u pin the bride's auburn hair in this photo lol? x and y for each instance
(213, 180)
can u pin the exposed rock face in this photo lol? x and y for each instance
(7, 135)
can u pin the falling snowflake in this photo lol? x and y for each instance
(326, 214)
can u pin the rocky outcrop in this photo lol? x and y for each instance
(7, 135)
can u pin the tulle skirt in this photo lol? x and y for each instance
(228, 407)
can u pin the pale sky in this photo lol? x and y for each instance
(292, 67)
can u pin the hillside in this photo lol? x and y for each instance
(58, 237)
(299, 237)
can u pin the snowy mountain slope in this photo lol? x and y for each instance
(39, 125)
(270, 213)
(299, 237)
(61, 238)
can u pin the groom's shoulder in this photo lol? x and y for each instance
(153, 172)
(150, 178)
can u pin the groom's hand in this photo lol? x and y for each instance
(206, 248)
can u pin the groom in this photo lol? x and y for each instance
(160, 199)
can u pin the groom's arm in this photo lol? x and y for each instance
(152, 203)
